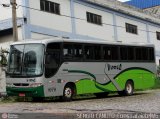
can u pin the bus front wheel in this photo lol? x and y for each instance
(68, 93)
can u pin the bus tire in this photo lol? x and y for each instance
(129, 88)
(68, 93)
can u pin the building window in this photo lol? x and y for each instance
(51, 7)
(94, 18)
(131, 28)
(158, 35)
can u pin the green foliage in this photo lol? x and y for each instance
(12, 99)
(3, 57)
(7, 99)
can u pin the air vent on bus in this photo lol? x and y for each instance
(21, 84)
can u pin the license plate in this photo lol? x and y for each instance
(21, 94)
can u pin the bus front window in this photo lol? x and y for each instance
(15, 60)
(33, 60)
(26, 60)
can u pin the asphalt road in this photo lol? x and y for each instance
(144, 104)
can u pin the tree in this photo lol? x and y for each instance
(3, 57)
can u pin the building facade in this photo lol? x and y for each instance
(81, 19)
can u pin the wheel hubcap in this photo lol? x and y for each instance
(68, 92)
(129, 88)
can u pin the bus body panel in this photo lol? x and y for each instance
(91, 78)
(31, 87)
(88, 78)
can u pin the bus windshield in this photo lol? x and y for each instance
(26, 60)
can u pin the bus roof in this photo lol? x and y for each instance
(46, 41)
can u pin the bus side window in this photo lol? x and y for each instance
(139, 54)
(131, 53)
(124, 53)
(78, 52)
(144, 54)
(89, 52)
(68, 51)
(110, 53)
(97, 52)
(107, 53)
(151, 54)
(114, 53)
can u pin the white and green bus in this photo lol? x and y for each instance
(69, 67)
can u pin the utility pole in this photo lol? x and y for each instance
(14, 20)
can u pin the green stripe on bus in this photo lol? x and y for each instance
(133, 68)
(142, 79)
(83, 72)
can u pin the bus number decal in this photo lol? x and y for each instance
(52, 89)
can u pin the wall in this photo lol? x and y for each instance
(7, 11)
(49, 20)
(124, 36)
(154, 41)
(39, 36)
(6, 40)
(85, 28)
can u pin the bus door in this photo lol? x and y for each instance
(52, 63)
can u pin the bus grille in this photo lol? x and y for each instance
(21, 84)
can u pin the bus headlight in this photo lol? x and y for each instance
(35, 84)
(9, 85)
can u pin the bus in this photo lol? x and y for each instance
(69, 67)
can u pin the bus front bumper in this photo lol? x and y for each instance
(26, 92)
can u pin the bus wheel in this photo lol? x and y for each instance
(128, 91)
(129, 88)
(68, 93)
